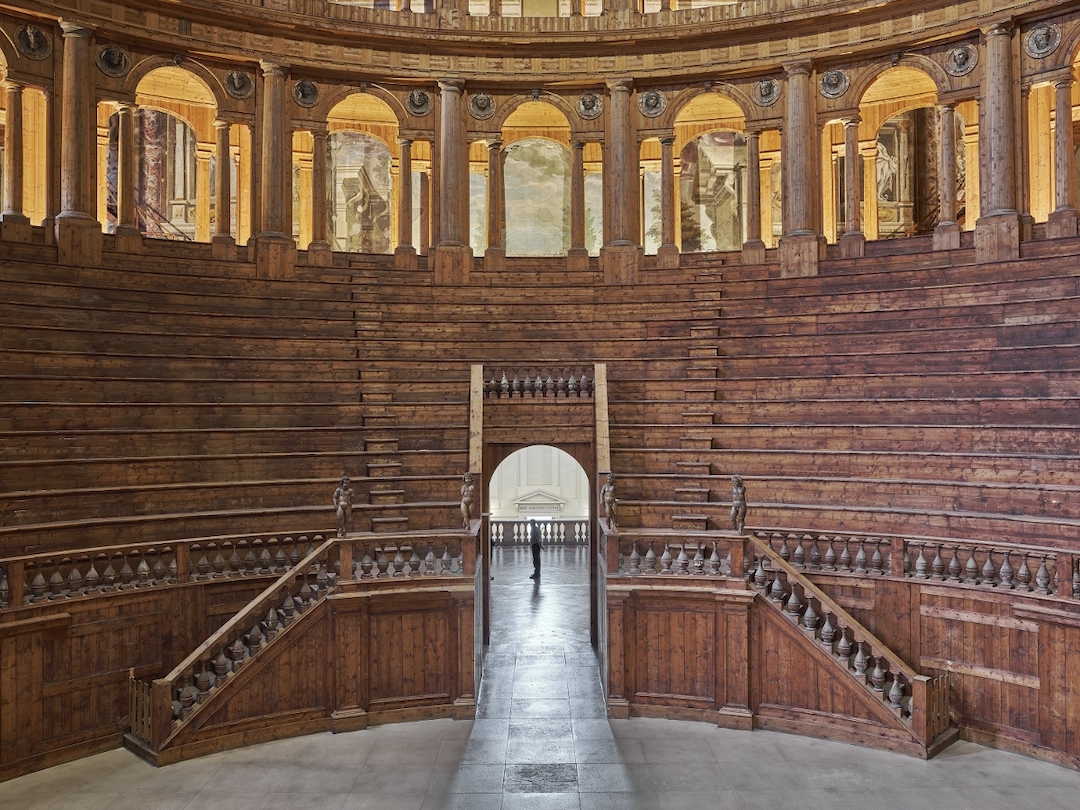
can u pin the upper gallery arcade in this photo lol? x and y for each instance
(645, 134)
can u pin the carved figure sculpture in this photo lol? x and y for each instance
(467, 491)
(738, 504)
(610, 502)
(343, 496)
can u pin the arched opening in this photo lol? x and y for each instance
(712, 175)
(361, 174)
(1045, 195)
(541, 483)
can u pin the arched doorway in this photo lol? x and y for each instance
(544, 484)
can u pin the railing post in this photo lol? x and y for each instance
(183, 562)
(611, 548)
(896, 564)
(16, 573)
(1064, 568)
(738, 558)
(346, 559)
(160, 712)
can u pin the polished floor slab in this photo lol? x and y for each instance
(541, 740)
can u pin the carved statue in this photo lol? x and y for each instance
(608, 499)
(343, 496)
(467, 491)
(738, 504)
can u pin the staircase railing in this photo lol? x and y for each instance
(919, 702)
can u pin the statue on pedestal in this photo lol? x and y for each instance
(467, 491)
(608, 499)
(343, 496)
(738, 504)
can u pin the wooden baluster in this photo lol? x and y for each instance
(830, 557)
(527, 387)
(399, 562)
(235, 564)
(287, 610)
(682, 562)
(815, 553)
(382, 563)
(776, 592)
(586, 384)
(75, 582)
(1006, 572)
(971, 569)
(714, 561)
(989, 573)
(266, 565)
(828, 632)
(447, 560)
(785, 552)
(271, 624)
(236, 652)
(794, 605)
(414, 563)
(1023, 576)
(1042, 578)
(845, 555)
(142, 572)
(635, 560)
(1075, 577)
(954, 564)
(861, 661)
(877, 677)
(877, 562)
(650, 560)
(37, 585)
(921, 565)
(222, 667)
(430, 563)
(295, 554)
(5, 590)
(810, 618)
(158, 572)
(761, 578)
(798, 556)
(937, 567)
(843, 649)
(249, 561)
(56, 582)
(896, 693)
(699, 561)
(665, 560)
(860, 558)
(571, 385)
(549, 385)
(515, 387)
(560, 385)
(204, 681)
(254, 640)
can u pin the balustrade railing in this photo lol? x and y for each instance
(639, 555)
(34, 578)
(574, 532)
(438, 556)
(159, 708)
(1027, 569)
(921, 702)
(539, 383)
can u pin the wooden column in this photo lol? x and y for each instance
(78, 233)
(319, 252)
(1062, 220)
(223, 244)
(619, 258)
(495, 255)
(753, 249)
(127, 229)
(425, 213)
(15, 224)
(453, 256)
(853, 240)
(870, 190)
(667, 255)
(49, 146)
(275, 251)
(997, 233)
(203, 154)
(577, 258)
(947, 232)
(799, 244)
(405, 253)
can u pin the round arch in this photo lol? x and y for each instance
(548, 108)
(723, 96)
(197, 84)
(344, 102)
(363, 111)
(911, 76)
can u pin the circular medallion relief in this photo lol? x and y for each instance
(652, 103)
(112, 61)
(481, 106)
(834, 84)
(238, 84)
(1042, 41)
(589, 106)
(961, 60)
(766, 92)
(32, 42)
(306, 93)
(418, 103)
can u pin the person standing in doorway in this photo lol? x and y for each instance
(534, 541)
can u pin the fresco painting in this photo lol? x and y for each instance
(537, 177)
(712, 190)
(361, 193)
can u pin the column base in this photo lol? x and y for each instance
(1027, 227)
(319, 254)
(495, 259)
(852, 244)
(128, 239)
(799, 254)
(1061, 224)
(997, 237)
(453, 264)
(753, 252)
(223, 247)
(15, 228)
(667, 257)
(78, 240)
(275, 255)
(619, 261)
(947, 236)
(404, 257)
(577, 259)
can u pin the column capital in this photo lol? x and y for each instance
(1003, 28)
(13, 86)
(852, 120)
(452, 85)
(270, 67)
(620, 85)
(402, 141)
(801, 67)
(946, 105)
(495, 144)
(221, 123)
(667, 140)
(577, 146)
(76, 28)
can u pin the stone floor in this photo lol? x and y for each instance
(541, 741)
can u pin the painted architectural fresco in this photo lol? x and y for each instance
(712, 192)
(594, 212)
(478, 212)
(360, 193)
(165, 184)
(537, 180)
